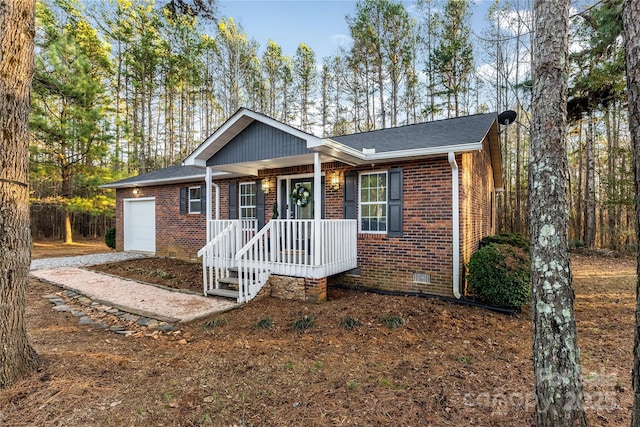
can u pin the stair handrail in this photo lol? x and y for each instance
(253, 273)
(214, 269)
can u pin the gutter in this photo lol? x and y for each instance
(455, 216)
(152, 182)
(369, 156)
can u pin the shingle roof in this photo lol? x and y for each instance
(440, 133)
(177, 173)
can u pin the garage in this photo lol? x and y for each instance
(140, 225)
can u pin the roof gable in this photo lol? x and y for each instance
(259, 141)
(233, 127)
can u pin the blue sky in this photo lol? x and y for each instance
(319, 23)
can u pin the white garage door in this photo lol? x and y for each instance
(140, 225)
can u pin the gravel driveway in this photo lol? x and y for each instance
(84, 260)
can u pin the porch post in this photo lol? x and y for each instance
(209, 204)
(317, 207)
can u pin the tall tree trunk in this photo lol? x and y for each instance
(631, 23)
(579, 209)
(559, 392)
(66, 193)
(518, 190)
(590, 194)
(17, 357)
(68, 231)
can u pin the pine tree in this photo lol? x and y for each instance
(305, 76)
(559, 393)
(69, 102)
(631, 20)
(453, 56)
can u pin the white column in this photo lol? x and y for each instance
(317, 207)
(209, 204)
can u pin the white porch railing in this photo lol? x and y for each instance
(287, 247)
(299, 248)
(249, 228)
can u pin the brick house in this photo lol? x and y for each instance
(399, 209)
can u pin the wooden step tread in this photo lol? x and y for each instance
(227, 293)
(231, 283)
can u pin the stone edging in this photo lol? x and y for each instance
(101, 316)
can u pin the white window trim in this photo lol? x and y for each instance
(240, 205)
(189, 200)
(360, 203)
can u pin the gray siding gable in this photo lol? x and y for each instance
(259, 141)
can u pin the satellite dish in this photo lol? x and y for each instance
(507, 117)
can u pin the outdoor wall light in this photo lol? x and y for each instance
(335, 180)
(135, 191)
(265, 186)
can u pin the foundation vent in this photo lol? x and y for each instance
(424, 278)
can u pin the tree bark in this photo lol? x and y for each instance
(559, 392)
(631, 31)
(17, 357)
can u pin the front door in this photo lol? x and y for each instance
(301, 198)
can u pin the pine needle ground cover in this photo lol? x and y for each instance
(444, 365)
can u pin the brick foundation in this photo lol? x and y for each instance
(315, 289)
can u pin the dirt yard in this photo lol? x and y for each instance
(441, 365)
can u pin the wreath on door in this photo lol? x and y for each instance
(301, 195)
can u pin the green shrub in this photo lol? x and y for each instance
(392, 321)
(303, 323)
(213, 324)
(351, 323)
(513, 239)
(499, 274)
(264, 323)
(110, 238)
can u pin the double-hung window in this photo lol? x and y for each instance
(194, 200)
(373, 202)
(248, 200)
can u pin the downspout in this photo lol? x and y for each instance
(455, 216)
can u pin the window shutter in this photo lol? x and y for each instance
(349, 208)
(395, 203)
(260, 208)
(203, 200)
(183, 200)
(233, 200)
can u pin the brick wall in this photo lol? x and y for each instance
(426, 245)
(177, 235)
(477, 200)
